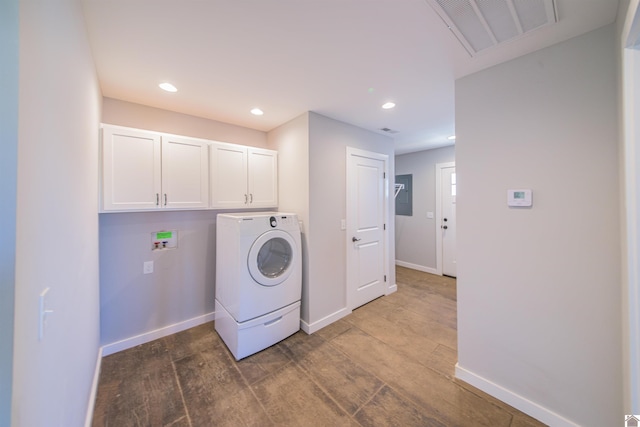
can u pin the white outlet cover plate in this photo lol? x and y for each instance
(147, 267)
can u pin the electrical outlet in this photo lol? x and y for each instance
(147, 267)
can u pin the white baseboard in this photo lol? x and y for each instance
(391, 289)
(417, 267)
(310, 328)
(519, 402)
(126, 343)
(94, 390)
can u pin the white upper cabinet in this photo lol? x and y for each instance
(263, 178)
(243, 177)
(144, 170)
(185, 172)
(131, 163)
(228, 175)
(147, 170)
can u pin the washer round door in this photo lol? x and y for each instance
(272, 257)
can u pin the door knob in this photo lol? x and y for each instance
(353, 239)
(445, 227)
(445, 220)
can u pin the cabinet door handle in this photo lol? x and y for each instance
(157, 199)
(165, 199)
(251, 198)
(246, 199)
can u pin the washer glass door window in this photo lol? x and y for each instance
(271, 258)
(274, 257)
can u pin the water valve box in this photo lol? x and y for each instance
(163, 240)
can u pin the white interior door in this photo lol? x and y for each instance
(367, 199)
(446, 189)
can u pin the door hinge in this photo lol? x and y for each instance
(384, 226)
(385, 277)
(384, 175)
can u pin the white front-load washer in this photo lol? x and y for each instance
(258, 279)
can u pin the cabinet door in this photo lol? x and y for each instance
(130, 169)
(263, 178)
(228, 176)
(185, 172)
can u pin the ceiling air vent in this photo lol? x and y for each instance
(481, 24)
(387, 130)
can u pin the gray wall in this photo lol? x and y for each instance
(181, 289)
(329, 140)
(416, 234)
(291, 140)
(57, 227)
(9, 79)
(318, 193)
(539, 294)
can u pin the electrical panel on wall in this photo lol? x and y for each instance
(164, 240)
(404, 195)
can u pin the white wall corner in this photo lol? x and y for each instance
(94, 390)
(310, 328)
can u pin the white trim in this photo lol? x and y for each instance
(631, 208)
(391, 289)
(519, 402)
(94, 390)
(154, 335)
(310, 328)
(422, 268)
(438, 222)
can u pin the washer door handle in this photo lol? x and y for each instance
(354, 239)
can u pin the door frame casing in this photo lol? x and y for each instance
(630, 231)
(438, 222)
(351, 271)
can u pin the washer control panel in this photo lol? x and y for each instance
(283, 220)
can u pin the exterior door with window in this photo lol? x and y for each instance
(446, 218)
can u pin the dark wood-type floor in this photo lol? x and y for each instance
(390, 363)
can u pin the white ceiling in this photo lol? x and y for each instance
(339, 58)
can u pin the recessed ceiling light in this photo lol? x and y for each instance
(452, 137)
(388, 105)
(168, 87)
(257, 112)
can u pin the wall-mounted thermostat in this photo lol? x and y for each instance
(519, 198)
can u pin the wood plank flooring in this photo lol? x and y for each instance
(389, 363)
